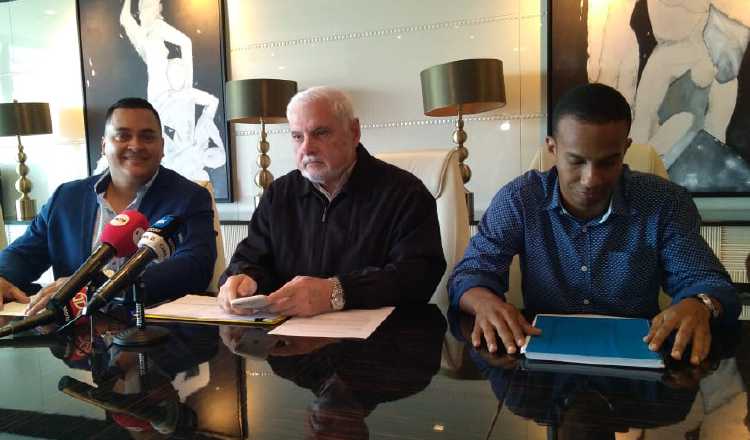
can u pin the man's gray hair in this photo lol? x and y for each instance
(340, 102)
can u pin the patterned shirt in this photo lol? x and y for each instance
(105, 214)
(614, 264)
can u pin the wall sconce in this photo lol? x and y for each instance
(460, 88)
(23, 119)
(260, 101)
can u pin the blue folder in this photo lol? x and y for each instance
(592, 339)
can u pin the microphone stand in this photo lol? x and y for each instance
(141, 335)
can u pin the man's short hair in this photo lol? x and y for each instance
(593, 103)
(132, 103)
(337, 99)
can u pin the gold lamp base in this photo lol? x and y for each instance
(25, 209)
(25, 205)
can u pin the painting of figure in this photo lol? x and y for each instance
(169, 52)
(684, 67)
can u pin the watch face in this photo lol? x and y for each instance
(337, 300)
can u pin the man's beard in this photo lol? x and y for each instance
(318, 177)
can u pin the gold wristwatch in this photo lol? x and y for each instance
(337, 295)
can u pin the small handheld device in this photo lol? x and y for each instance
(255, 302)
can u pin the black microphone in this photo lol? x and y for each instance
(156, 244)
(164, 415)
(118, 237)
(52, 340)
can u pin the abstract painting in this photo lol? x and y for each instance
(684, 67)
(171, 53)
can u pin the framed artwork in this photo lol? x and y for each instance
(684, 67)
(170, 52)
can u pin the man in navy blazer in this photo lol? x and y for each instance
(67, 229)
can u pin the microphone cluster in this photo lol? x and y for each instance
(122, 237)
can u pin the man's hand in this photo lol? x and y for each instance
(236, 286)
(302, 296)
(10, 292)
(690, 318)
(43, 296)
(494, 317)
(230, 336)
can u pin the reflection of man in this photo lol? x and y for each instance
(588, 406)
(345, 230)
(594, 237)
(68, 226)
(350, 378)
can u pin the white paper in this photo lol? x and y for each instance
(202, 308)
(15, 308)
(357, 324)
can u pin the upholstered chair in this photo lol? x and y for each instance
(220, 263)
(3, 236)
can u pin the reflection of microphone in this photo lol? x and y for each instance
(165, 416)
(156, 244)
(118, 237)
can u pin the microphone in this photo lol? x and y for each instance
(119, 238)
(165, 416)
(156, 244)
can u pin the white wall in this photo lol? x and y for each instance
(375, 51)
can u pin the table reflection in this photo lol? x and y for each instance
(577, 401)
(349, 378)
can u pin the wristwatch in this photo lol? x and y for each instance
(706, 300)
(337, 294)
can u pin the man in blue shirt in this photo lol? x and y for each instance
(594, 237)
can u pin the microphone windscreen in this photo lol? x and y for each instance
(124, 231)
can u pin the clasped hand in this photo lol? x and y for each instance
(302, 296)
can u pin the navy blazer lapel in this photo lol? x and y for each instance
(147, 207)
(89, 208)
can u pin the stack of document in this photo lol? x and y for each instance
(206, 309)
(592, 339)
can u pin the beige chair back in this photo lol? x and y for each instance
(220, 263)
(3, 235)
(438, 170)
(640, 157)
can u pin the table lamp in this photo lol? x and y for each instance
(460, 88)
(23, 119)
(260, 101)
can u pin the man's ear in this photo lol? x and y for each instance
(551, 145)
(356, 130)
(628, 143)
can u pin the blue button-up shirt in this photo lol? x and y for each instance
(614, 264)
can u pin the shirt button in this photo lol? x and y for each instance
(584, 268)
(587, 302)
(585, 229)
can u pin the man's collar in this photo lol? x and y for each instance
(344, 178)
(100, 187)
(618, 203)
